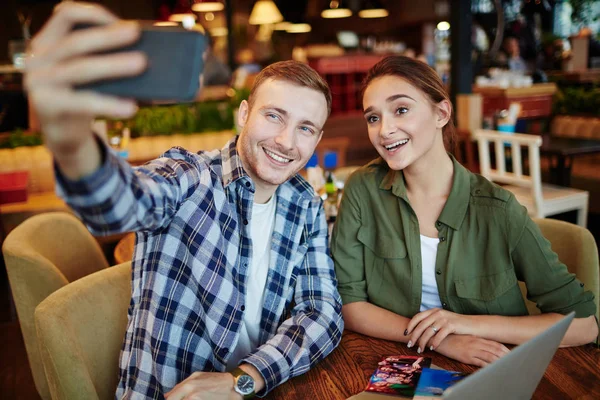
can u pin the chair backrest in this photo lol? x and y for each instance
(577, 249)
(43, 254)
(517, 177)
(81, 329)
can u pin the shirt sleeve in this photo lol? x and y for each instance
(119, 198)
(316, 324)
(346, 250)
(549, 283)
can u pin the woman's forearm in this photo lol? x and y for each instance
(516, 330)
(371, 320)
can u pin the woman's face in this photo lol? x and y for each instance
(402, 122)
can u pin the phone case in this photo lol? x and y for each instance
(175, 62)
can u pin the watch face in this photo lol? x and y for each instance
(245, 384)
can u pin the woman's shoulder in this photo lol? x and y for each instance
(483, 188)
(488, 194)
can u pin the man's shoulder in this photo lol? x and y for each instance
(298, 187)
(203, 167)
(202, 156)
(209, 161)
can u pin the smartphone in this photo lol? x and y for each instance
(175, 62)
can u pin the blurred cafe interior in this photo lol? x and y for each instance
(523, 76)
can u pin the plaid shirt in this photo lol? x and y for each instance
(191, 213)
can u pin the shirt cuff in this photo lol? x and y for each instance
(88, 185)
(269, 366)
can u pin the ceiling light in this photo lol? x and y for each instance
(373, 9)
(282, 26)
(265, 12)
(299, 28)
(336, 9)
(181, 17)
(374, 13)
(166, 23)
(443, 26)
(207, 6)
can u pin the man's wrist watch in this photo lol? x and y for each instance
(243, 383)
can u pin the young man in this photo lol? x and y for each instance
(231, 270)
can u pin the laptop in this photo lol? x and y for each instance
(514, 376)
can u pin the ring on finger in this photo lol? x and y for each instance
(435, 330)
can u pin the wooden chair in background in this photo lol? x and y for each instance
(541, 200)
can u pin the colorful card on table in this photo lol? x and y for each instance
(434, 382)
(397, 375)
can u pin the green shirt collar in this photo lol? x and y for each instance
(456, 207)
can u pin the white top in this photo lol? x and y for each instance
(430, 297)
(261, 231)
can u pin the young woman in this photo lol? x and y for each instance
(428, 253)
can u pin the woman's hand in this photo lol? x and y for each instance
(472, 350)
(429, 328)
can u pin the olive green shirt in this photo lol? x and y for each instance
(487, 244)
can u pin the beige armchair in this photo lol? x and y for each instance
(577, 249)
(81, 329)
(42, 255)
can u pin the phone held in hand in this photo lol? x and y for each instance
(175, 62)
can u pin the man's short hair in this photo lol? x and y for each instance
(293, 72)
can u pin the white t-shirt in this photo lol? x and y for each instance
(261, 231)
(430, 296)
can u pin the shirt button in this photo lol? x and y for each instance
(442, 239)
(243, 307)
(438, 224)
(439, 272)
(247, 184)
(478, 191)
(245, 222)
(445, 305)
(581, 284)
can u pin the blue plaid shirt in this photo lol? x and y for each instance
(191, 213)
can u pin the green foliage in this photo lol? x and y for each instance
(18, 138)
(181, 118)
(210, 116)
(577, 101)
(240, 94)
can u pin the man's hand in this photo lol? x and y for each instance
(429, 328)
(472, 349)
(60, 59)
(205, 386)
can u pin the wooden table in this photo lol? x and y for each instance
(561, 151)
(573, 374)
